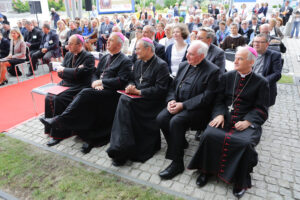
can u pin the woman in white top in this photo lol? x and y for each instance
(138, 35)
(62, 31)
(176, 53)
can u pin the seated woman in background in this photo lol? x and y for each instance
(222, 33)
(176, 53)
(233, 40)
(62, 31)
(86, 27)
(274, 30)
(138, 35)
(91, 39)
(17, 54)
(160, 34)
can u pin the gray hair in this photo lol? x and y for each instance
(151, 28)
(148, 44)
(28, 22)
(210, 32)
(47, 26)
(203, 47)
(234, 24)
(119, 39)
(263, 35)
(250, 56)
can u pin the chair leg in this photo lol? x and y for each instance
(22, 67)
(17, 73)
(34, 103)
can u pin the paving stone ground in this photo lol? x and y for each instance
(277, 175)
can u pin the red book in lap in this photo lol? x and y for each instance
(129, 95)
(57, 89)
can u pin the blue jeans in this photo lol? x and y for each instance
(295, 26)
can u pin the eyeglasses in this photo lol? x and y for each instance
(259, 42)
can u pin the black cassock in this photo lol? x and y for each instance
(228, 153)
(91, 113)
(74, 77)
(135, 134)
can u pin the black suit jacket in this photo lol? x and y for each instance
(53, 43)
(204, 86)
(34, 38)
(4, 47)
(75, 76)
(72, 32)
(216, 55)
(216, 12)
(272, 72)
(288, 14)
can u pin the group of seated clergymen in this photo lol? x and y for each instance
(228, 108)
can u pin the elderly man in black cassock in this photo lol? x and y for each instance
(135, 134)
(92, 112)
(76, 72)
(227, 145)
(189, 103)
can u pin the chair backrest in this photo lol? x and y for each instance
(230, 54)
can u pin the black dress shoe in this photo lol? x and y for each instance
(53, 142)
(172, 170)
(202, 179)
(86, 148)
(29, 74)
(118, 162)
(238, 193)
(50, 122)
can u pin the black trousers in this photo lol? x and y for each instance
(174, 128)
(45, 56)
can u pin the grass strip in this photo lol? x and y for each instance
(286, 79)
(31, 173)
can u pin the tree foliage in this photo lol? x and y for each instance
(58, 6)
(20, 7)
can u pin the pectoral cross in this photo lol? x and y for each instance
(230, 108)
(141, 79)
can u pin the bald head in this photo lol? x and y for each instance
(149, 31)
(196, 52)
(116, 29)
(265, 29)
(114, 43)
(75, 44)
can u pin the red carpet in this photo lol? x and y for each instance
(16, 103)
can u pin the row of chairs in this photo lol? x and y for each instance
(29, 62)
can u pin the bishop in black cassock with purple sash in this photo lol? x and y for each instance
(91, 113)
(76, 72)
(227, 145)
(135, 134)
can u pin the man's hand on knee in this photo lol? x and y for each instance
(217, 121)
(242, 125)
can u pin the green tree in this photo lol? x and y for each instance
(58, 6)
(20, 7)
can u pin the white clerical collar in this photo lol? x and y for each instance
(244, 75)
(235, 36)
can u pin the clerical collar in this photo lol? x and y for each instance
(114, 55)
(77, 55)
(149, 60)
(235, 36)
(244, 75)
